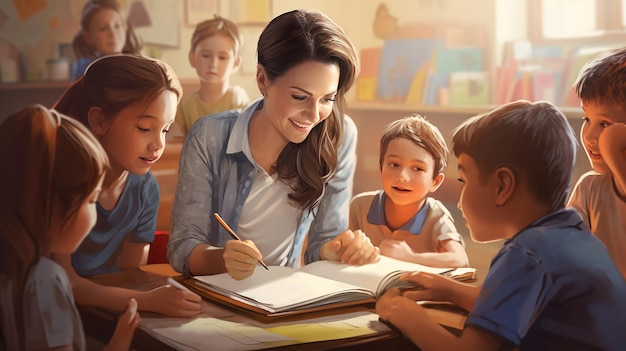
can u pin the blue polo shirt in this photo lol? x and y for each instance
(553, 286)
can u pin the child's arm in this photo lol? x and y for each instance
(413, 321)
(452, 253)
(166, 299)
(612, 143)
(125, 329)
(134, 255)
(435, 287)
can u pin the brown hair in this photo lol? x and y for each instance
(132, 45)
(532, 139)
(603, 80)
(214, 26)
(55, 164)
(422, 133)
(115, 82)
(289, 40)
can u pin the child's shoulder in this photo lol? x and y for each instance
(593, 181)
(366, 196)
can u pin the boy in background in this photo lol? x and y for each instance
(600, 195)
(402, 219)
(215, 54)
(552, 286)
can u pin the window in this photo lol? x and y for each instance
(577, 21)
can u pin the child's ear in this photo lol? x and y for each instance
(98, 122)
(192, 59)
(237, 63)
(505, 185)
(437, 182)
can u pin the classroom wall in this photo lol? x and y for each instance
(37, 37)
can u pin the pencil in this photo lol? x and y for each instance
(233, 234)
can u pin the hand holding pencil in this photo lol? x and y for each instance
(240, 256)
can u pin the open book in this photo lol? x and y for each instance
(320, 285)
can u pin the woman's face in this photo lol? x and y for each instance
(300, 99)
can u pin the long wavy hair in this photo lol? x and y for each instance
(115, 82)
(55, 165)
(289, 40)
(132, 45)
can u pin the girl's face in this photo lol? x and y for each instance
(300, 99)
(135, 138)
(106, 32)
(407, 173)
(67, 235)
(596, 119)
(214, 59)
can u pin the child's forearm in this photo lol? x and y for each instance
(441, 259)
(462, 294)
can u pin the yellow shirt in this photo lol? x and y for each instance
(191, 107)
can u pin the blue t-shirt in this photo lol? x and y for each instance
(80, 65)
(553, 286)
(133, 220)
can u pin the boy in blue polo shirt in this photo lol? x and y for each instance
(552, 286)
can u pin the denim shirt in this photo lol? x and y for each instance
(216, 173)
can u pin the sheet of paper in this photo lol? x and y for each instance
(351, 325)
(207, 333)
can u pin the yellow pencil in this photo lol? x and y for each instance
(233, 234)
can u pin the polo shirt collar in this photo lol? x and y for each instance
(376, 215)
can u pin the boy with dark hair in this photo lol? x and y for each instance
(552, 286)
(402, 219)
(600, 195)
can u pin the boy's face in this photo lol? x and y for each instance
(214, 59)
(596, 119)
(474, 201)
(407, 173)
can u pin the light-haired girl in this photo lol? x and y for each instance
(104, 31)
(129, 103)
(47, 207)
(215, 54)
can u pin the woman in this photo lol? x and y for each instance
(280, 171)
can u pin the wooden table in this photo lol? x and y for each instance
(100, 323)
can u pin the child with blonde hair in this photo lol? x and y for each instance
(402, 219)
(47, 207)
(215, 54)
(104, 31)
(600, 195)
(129, 103)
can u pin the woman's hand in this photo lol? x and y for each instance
(241, 258)
(125, 329)
(172, 301)
(351, 247)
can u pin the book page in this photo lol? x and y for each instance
(376, 277)
(283, 289)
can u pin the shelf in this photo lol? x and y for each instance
(35, 85)
(570, 112)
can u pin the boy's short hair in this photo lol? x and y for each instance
(217, 25)
(603, 80)
(422, 133)
(533, 139)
